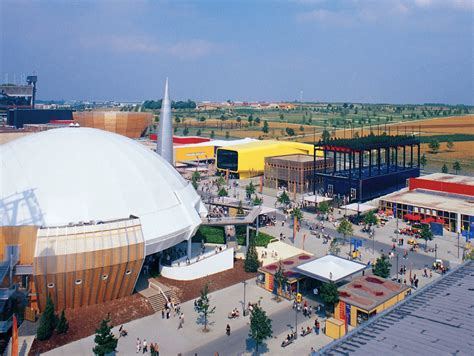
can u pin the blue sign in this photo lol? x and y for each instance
(356, 243)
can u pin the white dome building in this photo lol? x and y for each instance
(80, 208)
(73, 175)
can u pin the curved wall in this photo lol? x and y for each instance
(130, 124)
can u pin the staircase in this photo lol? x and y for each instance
(4, 269)
(158, 294)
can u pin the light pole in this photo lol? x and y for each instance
(458, 244)
(296, 322)
(245, 304)
(397, 267)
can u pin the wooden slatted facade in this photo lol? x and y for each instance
(88, 264)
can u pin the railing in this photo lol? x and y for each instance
(183, 261)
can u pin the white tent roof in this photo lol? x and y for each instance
(267, 210)
(316, 198)
(330, 268)
(220, 143)
(362, 208)
(70, 175)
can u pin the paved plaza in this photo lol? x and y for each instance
(191, 339)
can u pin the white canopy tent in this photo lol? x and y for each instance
(330, 268)
(267, 210)
(359, 207)
(316, 199)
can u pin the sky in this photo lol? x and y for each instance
(370, 51)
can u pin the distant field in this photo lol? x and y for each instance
(462, 152)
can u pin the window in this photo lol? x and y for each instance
(105, 277)
(129, 272)
(78, 282)
(50, 285)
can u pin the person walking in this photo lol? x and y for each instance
(138, 345)
(145, 346)
(227, 330)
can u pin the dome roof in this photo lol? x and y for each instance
(69, 175)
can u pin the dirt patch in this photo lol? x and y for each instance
(84, 321)
(188, 290)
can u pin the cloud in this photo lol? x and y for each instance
(353, 11)
(191, 49)
(188, 49)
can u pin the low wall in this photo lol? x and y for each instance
(212, 264)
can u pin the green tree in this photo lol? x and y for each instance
(444, 169)
(213, 134)
(289, 131)
(203, 305)
(329, 294)
(280, 279)
(249, 190)
(381, 267)
(257, 201)
(434, 146)
(423, 161)
(105, 340)
(198, 133)
(227, 135)
(283, 198)
(345, 228)
(323, 207)
(334, 248)
(265, 127)
(195, 178)
(298, 214)
(250, 119)
(48, 321)
(260, 326)
(371, 219)
(251, 263)
(257, 121)
(450, 145)
(282, 117)
(301, 128)
(326, 136)
(185, 131)
(457, 166)
(239, 121)
(426, 234)
(222, 192)
(63, 324)
(220, 181)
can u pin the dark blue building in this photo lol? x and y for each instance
(368, 167)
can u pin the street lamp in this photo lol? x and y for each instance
(397, 267)
(245, 304)
(296, 322)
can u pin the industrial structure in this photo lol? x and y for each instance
(446, 198)
(19, 96)
(293, 172)
(367, 167)
(80, 222)
(248, 160)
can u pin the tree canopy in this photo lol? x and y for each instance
(260, 326)
(105, 340)
(329, 294)
(381, 267)
(203, 305)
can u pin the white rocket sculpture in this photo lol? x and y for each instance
(164, 145)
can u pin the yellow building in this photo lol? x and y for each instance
(248, 160)
(365, 297)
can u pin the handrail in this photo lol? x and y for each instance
(195, 259)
